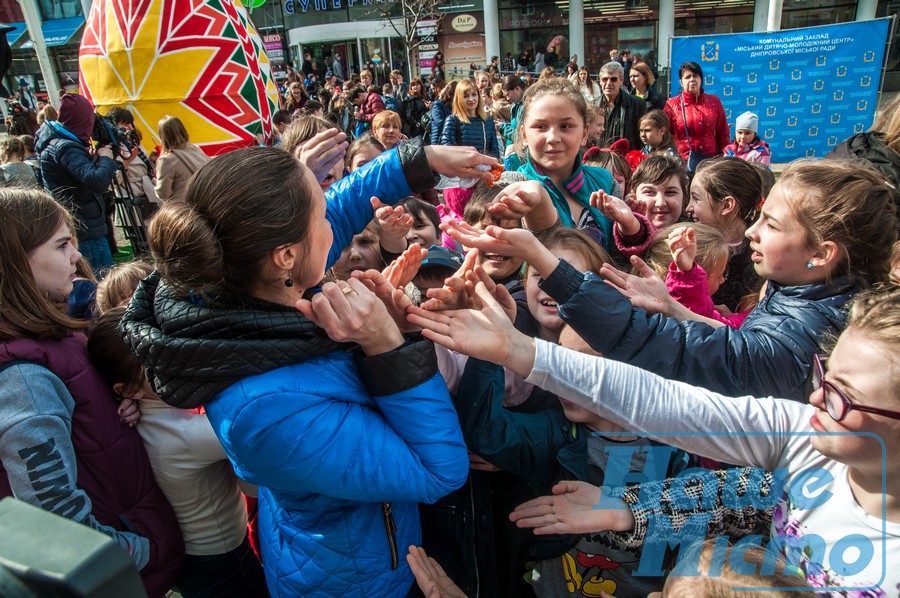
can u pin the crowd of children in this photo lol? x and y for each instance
(330, 371)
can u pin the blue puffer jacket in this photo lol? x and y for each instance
(477, 133)
(439, 113)
(74, 177)
(769, 355)
(327, 434)
(326, 454)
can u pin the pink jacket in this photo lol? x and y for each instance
(691, 289)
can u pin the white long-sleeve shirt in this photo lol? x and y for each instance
(769, 433)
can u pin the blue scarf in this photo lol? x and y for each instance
(584, 181)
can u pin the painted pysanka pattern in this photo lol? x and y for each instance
(199, 60)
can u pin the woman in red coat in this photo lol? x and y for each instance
(696, 119)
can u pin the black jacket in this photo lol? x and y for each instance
(623, 122)
(75, 178)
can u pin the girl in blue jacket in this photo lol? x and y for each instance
(825, 231)
(342, 423)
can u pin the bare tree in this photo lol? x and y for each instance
(411, 12)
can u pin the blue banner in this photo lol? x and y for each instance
(811, 88)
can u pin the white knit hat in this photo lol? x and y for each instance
(748, 121)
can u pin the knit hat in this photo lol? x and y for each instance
(748, 121)
(77, 115)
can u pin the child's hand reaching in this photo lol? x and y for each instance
(682, 243)
(394, 224)
(525, 200)
(618, 211)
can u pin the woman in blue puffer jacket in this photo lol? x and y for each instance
(440, 110)
(344, 424)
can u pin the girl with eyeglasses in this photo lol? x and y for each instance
(838, 521)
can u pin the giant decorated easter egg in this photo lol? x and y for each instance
(199, 60)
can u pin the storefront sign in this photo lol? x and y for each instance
(463, 23)
(291, 6)
(811, 88)
(272, 42)
(462, 50)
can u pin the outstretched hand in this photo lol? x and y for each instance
(682, 244)
(571, 510)
(395, 223)
(616, 210)
(455, 161)
(430, 576)
(322, 152)
(394, 299)
(484, 334)
(453, 294)
(402, 270)
(646, 290)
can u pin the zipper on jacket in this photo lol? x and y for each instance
(391, 528)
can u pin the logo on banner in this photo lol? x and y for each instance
(792, 121)
(816, 108)
(865, 81)
(751, 77)
(832, 141)
(796, 74)
(820, 61)
(773, 88)
(751, 100)
(727, 90)
(819, 85)
(862, 105)
(841, 71)
(771, 111)
(728, 67)
(728, 113)
(813, 131)
(709, 52)
(794, 98)
(859, 128)
(811, 153)
(869, 56)
(835, 118)
(709, 80)
(774, 64)
(769, 133)
(839, 95)
(789, 143)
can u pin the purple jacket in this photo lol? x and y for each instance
(112, 466)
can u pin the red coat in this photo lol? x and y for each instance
(707, 125)
(372, 105)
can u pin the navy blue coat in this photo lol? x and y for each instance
(75, 178)
(477, 133)
(439, 113)
(769, 355)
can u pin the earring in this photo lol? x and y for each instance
(289, 282)
(809, 265)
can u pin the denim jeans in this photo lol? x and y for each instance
(96, 252)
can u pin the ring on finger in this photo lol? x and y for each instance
(347, 290)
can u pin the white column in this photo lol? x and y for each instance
(774, 21)
(865, 9)
(576, 32)
(760, 15)
(491, 30)
(48, 70)
(86, 7)
(665, 31)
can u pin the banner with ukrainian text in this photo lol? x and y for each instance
(811, 88)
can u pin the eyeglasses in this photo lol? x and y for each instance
(837, 403)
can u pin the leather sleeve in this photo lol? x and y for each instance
(407, 366)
